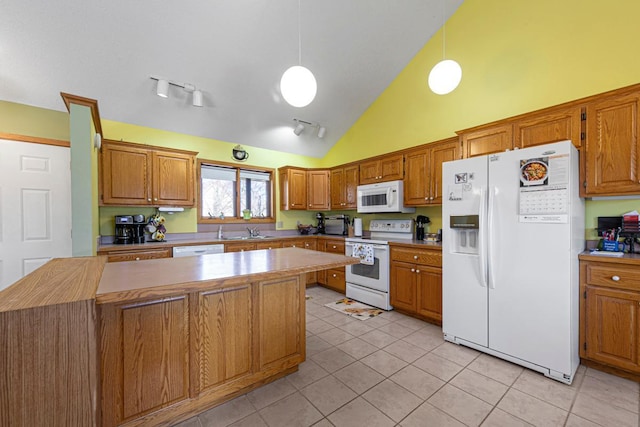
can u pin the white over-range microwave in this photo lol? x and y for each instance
(382, 197)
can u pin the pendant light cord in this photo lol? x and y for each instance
(444, 31)
(299, 37)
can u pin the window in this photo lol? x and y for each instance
(226, 192)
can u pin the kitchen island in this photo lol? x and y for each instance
(160, 340)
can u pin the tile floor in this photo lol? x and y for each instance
(394, 370)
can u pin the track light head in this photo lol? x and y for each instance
(321, 131)
(197, 98)
(299, 128)
(162, 89)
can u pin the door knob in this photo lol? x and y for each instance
(615, 278)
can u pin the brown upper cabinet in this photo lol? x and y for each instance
(423, 177)
(344, 185)
(293, 188)
(136, 174)
(487, 140)
(380, 169)
(552, 125)
(612, 149)
(318, 190)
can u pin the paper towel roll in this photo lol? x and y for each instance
(357, 227)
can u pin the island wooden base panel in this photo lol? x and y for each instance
(186, 409)
(164, 359)
(48, 366)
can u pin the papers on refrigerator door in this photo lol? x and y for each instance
(544, 189)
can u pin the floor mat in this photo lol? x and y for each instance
(354, 308)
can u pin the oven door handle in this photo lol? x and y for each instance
(380, 247)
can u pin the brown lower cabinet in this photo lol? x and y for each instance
(304, 243)
(187, 352)
(610, 313)
(334, 278)
(416, 282)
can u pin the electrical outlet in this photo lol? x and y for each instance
(279, 224)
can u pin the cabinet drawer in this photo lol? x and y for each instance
(336, 279)
(269, 244)
(335, 247)
(417, 256)
(239, 247)
(299, 243)
(617, 277)
(138, 255)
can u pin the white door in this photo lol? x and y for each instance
(464, 272)
(530, 262)
(35, 207)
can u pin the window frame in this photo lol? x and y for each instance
(237, 219)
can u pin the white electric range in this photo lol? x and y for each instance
(368, 282)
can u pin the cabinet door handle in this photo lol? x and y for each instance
(334, 275)
(148, 200)
(430, 198)
(415, 257)
(418, 271)
(155, 199)
(615, 278)
(137, 258)
(413, 270)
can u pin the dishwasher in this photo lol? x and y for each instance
(182, 251)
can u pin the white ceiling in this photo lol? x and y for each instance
(235, 51)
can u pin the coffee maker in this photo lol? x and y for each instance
(421, 222)
(129, 229)
(320, 227)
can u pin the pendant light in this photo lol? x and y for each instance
(445, 76)
(298, 85)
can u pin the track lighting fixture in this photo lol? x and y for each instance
(298, 130)
(162, 90)
(301, 125)
(197, 98)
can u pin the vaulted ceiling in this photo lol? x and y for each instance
(234, 51)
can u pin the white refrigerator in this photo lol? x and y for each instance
(513, 226)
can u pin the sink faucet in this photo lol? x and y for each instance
(253, 232)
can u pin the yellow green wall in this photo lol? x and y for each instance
(22, 119)
(209, 149)
(515, 57)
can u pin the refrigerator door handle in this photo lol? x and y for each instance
(482, 232)
(490, 232)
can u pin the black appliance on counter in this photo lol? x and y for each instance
(421, 223)
(320, 226)
(129, 229)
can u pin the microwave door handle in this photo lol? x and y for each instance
(389, 194)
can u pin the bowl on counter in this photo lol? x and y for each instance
(305, 229)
